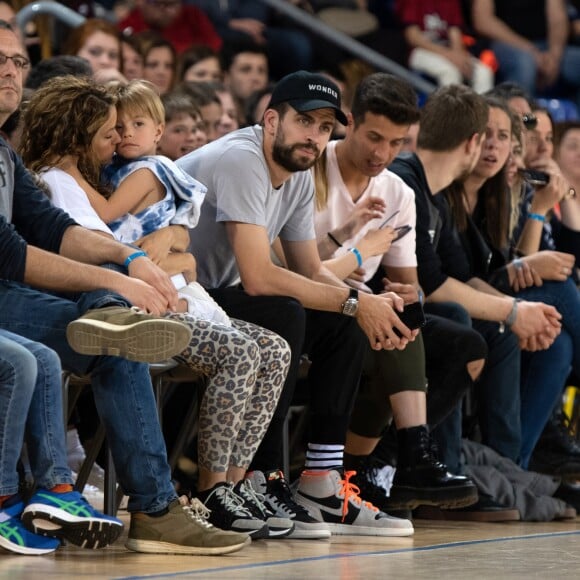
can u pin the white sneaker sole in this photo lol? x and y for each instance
(152, 547)
(354, 530)
(15, 548)
(150, 341)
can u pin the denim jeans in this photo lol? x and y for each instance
(544, 373)
(518, 65)
(31, 406)
(122, 389)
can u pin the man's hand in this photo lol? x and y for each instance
(408, 292)
(539, 320)
(144, 269)
(377, 317)
(250, 26)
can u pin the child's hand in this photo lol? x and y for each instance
(157, 245)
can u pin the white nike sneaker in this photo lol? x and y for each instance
(331, 498)
(202, 305)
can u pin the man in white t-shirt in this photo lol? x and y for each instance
(258, 189)
(362, 205)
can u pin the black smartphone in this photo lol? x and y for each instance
(401, 231)
(412, 316)
(535, 178)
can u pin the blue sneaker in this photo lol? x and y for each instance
(69, 516)
(14, 537)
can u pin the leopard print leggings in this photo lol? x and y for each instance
(246, 367)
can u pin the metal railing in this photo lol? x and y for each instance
(301, 17)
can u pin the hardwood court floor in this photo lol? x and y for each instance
(449, 550)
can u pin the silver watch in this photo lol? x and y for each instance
(350, 305)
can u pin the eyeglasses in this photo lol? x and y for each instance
(530, 121)
(20, 62)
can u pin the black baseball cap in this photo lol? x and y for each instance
(305, 91)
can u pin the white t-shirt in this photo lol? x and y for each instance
(67, 194)
(397, 196)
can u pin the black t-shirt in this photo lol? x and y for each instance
(440, 253)
(526, 17)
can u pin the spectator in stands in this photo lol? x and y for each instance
(180, 24)
(99, 42)
(206, 99)
(288, 48)
(132, 58)
(184, 127)
(256, 104)
(434, 33)
(453, 123)
(259, 189)
(44, 248)
(199, 64)
(354, 189)
(245, 67)
(529, 39)
(229, 120)
(31, 388)
(480, 210)
(159, 61)
(54, 66)
(244, 365)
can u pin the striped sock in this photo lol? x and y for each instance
(321, 457)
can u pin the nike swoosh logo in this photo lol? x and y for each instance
(331, 501)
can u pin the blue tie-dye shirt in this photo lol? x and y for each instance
(180, 206)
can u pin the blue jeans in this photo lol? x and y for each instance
(122, 389)
(31, 404)
(544, 373)
(518, 65)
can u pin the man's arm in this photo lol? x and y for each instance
(313, 285)
(85, 246)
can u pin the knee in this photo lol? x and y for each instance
(18, 367)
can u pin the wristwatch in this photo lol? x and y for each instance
(350, 306)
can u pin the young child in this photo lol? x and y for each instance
(151, 192)
(31, 406)
(184, 127)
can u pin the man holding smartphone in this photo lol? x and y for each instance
(365, 220)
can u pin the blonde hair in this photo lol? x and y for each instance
(139, 97)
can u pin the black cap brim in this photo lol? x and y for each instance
(305, 105)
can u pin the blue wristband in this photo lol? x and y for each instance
(537, 216)
(134, 256)
(359, 259)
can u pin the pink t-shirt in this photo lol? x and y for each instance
(398, 197)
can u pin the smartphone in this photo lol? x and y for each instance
(401, 232)
(412, 316)
(388, 219)
(535, 178)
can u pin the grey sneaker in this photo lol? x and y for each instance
(128, 333)
(184, 529)
(330, 497)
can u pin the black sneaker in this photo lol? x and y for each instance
(280, 501)
(227, 512)
(374, 482)
(278, 527)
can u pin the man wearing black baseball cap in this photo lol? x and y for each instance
(260, 190)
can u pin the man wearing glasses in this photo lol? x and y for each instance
(182, 25)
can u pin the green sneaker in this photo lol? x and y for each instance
(129, 333)
(184, 529)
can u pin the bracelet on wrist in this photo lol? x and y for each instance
(511, 317)
(134, 256)
(517, 263)
(358, 256)
(334, 240)
(537, 216)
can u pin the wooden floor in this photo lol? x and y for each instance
(449, 550)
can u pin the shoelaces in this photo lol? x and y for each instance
(351, 491)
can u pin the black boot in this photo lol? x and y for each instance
(420, 479)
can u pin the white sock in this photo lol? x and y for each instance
(322, 457)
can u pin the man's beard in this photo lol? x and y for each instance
(284, 156)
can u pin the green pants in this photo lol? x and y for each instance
(385, 373)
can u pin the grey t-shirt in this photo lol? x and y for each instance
(239, 189)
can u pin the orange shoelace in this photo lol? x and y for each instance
(351, 491)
